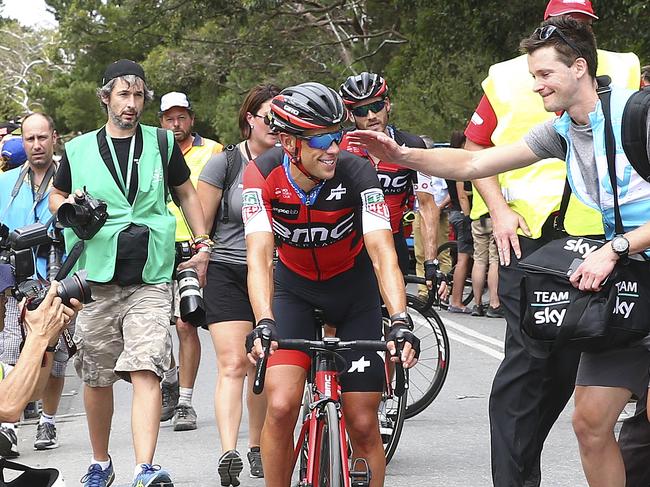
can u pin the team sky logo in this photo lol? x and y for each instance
(553, 307)
(628, 292)
(318, 234)
(580, 246)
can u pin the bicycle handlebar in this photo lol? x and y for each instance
(332, 345)
(431, 293)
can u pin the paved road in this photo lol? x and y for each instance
(447, 445)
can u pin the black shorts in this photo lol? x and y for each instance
(226, 293)
(463, 231)
(350, 302)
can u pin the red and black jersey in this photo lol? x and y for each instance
(318, 234)
(396, 181)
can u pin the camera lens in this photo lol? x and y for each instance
(76, 286)
(72, 215)
(192, 307)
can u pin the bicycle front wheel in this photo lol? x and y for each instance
(428, 376)
(392, 413)
(330, 465)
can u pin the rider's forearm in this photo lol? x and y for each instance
(381, 250)
(429, 222)
(259, 257)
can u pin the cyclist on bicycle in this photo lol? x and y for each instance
(325, 209)
(366, 96)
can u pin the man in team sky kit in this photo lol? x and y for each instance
(366, 97)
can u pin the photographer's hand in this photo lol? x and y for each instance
(32, 371)
(49, 319)
(200, 263)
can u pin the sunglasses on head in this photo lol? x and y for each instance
(544, 33)
(374, 107)
(323, 141)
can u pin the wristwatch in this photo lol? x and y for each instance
(621, 246)
(402, 316)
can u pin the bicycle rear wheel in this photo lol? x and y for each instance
(428, 376)
(330, 465)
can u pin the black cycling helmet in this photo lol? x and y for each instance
(307, 106)
(362, 87)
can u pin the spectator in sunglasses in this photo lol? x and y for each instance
(229, 315)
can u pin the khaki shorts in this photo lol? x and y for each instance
(125, 330)
(485, 249)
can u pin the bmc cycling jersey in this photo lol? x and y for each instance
(396, 181)
(319, 233)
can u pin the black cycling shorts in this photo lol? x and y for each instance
(350, 302)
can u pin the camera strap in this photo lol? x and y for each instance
(116, 164)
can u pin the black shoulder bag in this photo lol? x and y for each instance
(554, 314)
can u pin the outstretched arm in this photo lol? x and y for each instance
(458, 164)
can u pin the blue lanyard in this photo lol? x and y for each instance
(308, 199)
(116, 165)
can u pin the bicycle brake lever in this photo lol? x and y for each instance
(401, 384)
(260, 366)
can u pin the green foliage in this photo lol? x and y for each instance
(434, 53)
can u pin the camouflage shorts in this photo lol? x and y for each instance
(125, 330)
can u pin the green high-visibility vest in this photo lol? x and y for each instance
(148, 209)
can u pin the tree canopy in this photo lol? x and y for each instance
(433, 53)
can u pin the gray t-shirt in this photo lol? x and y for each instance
(230, 244)
(545, 142)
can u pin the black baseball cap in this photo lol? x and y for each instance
(123, 67)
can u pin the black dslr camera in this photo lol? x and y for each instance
(85, 216)
(16, 250)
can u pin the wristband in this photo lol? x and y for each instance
(204, 249)
(50, 349)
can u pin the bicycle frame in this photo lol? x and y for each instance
(325, 407)
(324, 388)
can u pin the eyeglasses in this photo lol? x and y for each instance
(324, 141)
(266, 118)
(544, 33)
(375, 107)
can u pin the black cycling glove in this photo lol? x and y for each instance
(400, 331)
(266, 329)
(431, 270)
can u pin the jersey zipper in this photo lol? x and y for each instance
(313, 250)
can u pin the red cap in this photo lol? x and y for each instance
(563, 7)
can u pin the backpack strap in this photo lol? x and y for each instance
(234, 163)
(635, 131)
(163, 148)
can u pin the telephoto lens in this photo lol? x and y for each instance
(192, 307)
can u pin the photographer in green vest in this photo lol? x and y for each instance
(130, 261)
